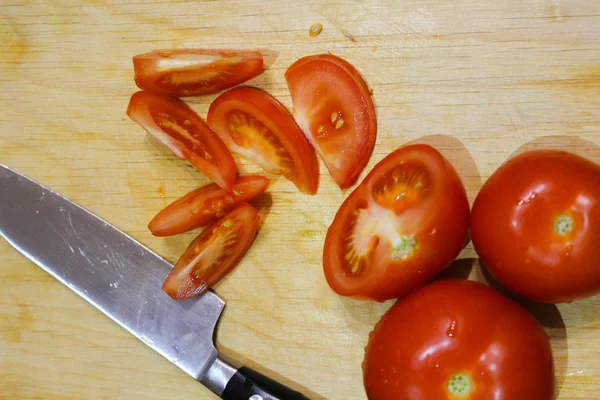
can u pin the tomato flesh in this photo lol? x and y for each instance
(256, 126)
(252, 139)
(195, 72)
(402, 225)
(333, 106)
(533, 226)
(458, 340)
(213, 254)
(185, 134)
(203, 205)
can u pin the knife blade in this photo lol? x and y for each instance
(122, 278)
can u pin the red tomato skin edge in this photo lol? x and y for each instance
(251, 227)
(223, 175)
(368, 143)
(249, 186)
(254, 66)
(444, 288)
(458, 222)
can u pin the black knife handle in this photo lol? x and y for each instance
(247, 384)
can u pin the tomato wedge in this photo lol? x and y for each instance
(255, 125)
(213, 254)
(403, 224)
(333, 106)
(186, 134)
(203, 205)
(195, 72)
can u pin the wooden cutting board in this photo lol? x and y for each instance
(479, 80)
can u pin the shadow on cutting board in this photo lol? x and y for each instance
(572, 144)
(547, 314)
(458, 155)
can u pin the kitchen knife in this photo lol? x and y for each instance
(123, 278)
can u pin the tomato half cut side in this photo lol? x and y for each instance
(195, 72)
(255, 125)
(185, 133)
(403, 224)
(333, 106)
(213, 254)
(203, 205)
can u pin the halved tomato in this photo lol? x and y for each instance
(333, 106)
(255, 125)
(195, 72)
(187, 135)
(213, 254)
(203, 205)
(402, 225)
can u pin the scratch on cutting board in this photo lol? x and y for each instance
(518, 134)
(555, 11)
(336, 24)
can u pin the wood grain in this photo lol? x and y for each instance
(481, 80)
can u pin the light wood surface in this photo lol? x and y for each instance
(478, 79)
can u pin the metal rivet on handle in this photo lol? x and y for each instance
(255, 397)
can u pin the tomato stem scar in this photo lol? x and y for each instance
(563, 224)
(460, 385)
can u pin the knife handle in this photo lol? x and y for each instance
(245, 384)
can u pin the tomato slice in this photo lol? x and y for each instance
(402, 225)
(213, 254)
(333, 106)
(203, 205)
(186, 134)
(195, 72)
(255, 125)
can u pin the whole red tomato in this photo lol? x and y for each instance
(405, 222)
(458, 340)
(536, 226)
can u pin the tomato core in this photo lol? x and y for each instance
(249, 133)
(460, 386)
(563, 224)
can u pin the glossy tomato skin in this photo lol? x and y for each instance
(427, 214)
(205, 204)
(461, 331)
(213, 254)
(333, 106)
(255, 125)
(195, 72)
(185, 133)
(514, 220)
